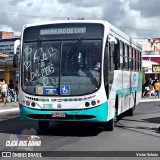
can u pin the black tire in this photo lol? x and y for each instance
(130, 112)
(43, 125)
(109, 126)
(116, 118)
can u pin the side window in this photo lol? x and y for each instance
(133, 57)
(105, 63)
(137, 60)
(111, 57)
(124, 64)
(117, 55)
(121, 55)
(130, 58)
(126, 56)
(140, 62)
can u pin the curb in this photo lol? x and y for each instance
(149, 100)
(9, 110)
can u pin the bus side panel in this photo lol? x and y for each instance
(139, 89)
(100, 114)
(136, 91)
(138, 97)
(117, 79)
(127, 86)
(111, 111)
(132, 99)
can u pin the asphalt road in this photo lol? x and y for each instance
(138, 133)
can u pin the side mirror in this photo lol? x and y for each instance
(112, 40)
(15, 56)
(15, 60)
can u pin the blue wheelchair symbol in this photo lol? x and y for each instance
(65, 90)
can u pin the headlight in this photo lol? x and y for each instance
(93, 103)
(87, 104)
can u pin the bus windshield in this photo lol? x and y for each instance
(61, 67)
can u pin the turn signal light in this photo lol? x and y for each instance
(98, 101)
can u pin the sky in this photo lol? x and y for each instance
(136, 18)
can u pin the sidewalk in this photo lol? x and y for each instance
(14, 106)
(149, 99)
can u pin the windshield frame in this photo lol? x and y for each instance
(61, 41)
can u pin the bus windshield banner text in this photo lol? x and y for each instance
(53, 31)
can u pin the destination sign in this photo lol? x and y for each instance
(155, 68)
(55, 31)
(63, 31)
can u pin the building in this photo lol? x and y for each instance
(150, 57)
(7, 72)
(4, 35)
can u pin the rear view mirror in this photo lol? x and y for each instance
(112, 39)
(15, 60)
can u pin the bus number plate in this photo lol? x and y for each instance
(58, 115)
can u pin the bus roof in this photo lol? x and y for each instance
(106, 24)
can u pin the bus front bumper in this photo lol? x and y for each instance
(96, 114)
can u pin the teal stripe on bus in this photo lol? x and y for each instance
(100, 113)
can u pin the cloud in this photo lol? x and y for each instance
(82, 3)
(5, 28)
(134, 17)
(113, 11)
(147, 8)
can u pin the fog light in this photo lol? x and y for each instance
(33, 104)
(87, 104)
(93, 103)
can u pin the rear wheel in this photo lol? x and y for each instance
(116, 110)
(130, 112)
(43, 125)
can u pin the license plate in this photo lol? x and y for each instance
(58, 115)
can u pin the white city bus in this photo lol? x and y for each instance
(79, 71)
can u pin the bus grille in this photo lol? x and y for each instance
(68, 117)
(57, 100)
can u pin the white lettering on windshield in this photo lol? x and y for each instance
(52, 31)
(43, 62)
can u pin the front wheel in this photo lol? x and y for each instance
(43, 125)
(109, 126)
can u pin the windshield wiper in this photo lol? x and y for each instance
(70, 53)
(75, 47)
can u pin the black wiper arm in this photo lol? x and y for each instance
(75, 47)
(71, 52)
